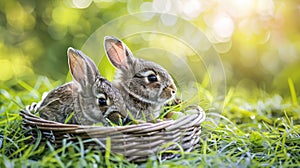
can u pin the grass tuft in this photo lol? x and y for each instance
(254, 129)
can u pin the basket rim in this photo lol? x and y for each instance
(185, 121)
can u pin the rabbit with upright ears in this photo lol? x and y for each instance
(144, 85)
(90, 97)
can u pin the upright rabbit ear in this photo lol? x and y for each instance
(82, 68)
(118, 53)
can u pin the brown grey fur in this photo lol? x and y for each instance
(81, 95)
(142, 98)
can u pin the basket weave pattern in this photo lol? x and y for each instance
(134, 142)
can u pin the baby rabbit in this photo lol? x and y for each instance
(144, 85)
(90, 96)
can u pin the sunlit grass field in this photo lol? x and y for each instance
(254, 129)
(251, 47)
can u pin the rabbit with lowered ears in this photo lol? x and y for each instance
(89, 96)
(144, 85)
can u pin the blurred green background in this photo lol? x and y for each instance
(258, 41)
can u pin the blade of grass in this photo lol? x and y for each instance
(107, 152)
(69, 117)
(25, 86)
(55, 153)
(293, 92)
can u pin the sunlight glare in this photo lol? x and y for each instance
(265, 7)
(223, 26)
(242, 8)
(191, 8)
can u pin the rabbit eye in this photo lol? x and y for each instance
(102, 102)
(152, 78)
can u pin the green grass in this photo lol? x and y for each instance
(255, 129)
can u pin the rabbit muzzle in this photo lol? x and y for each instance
(115, 115)
(168, 93)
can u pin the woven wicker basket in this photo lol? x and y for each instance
(134, 142)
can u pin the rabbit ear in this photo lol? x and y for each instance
(82, 68)
(118, 53)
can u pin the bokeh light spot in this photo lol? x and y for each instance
(82, 3)
(192, 8)
(161, 5)
(146, 7)
(18, 18)
(223, 26)
(65, 16)
(241, 8)
(265, 7)
(168, 20)
(6, 70)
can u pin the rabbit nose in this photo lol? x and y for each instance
(114, 117)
